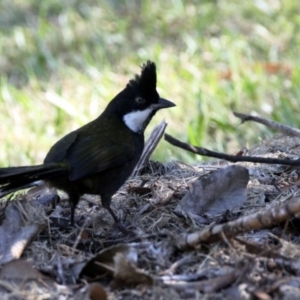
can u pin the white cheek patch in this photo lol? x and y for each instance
(135, 120)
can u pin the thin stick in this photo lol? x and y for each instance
(271, 124)
(232, 158)
(259, 220)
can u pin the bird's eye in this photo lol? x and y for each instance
(139, 100)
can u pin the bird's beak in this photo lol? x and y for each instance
(162, 103)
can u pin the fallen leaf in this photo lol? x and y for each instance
(139, 190)
(19, 270)
(42, 195)
(18, 229)
(97, 292)
(118, 262)
(261, 295)
(93, 291)
(103, 263)
(222, 190)
(18, 277)
(127, 274)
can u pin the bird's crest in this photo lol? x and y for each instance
(146, 82)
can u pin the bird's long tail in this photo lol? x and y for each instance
(16, 178)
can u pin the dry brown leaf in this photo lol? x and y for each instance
(19, 276)
(94, 291)
(97, 292)
(15, 234)
(118, 261)
(127, 274)
(139, 190)
(42, 195)
(222, 190)
(19, 270)
(103, 263)
(261, 295)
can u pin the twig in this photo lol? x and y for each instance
(259, 220)
(79, 236)
(232, 158)
(171, 270)
(207, 286)
(108, 243)
(60, 271)
(271, 124)
(157, 202)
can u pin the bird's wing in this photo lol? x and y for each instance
(95, 147)
(59, 150)
(88, 157)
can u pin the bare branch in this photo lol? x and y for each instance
(232, 158)
(262, 219)
(271, 124)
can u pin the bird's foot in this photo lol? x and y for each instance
(119, 225)
(124, 230)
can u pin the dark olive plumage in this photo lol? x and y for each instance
(98, 157)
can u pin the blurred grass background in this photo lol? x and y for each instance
(62, 61)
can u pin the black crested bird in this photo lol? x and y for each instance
(98, 157)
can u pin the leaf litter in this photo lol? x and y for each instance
(94, 260)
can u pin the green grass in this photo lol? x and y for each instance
(62, 61)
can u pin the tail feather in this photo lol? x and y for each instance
(15, 178)
(34, 172)
(13, 187)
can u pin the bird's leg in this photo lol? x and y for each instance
(72, 206)
(117, 221)
(73, 200)
(106, 204)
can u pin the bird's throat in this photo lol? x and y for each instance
(137, 120)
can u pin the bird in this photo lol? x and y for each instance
(100, 156)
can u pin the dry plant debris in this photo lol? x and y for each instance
(20, 280)
(22, 223)
(252, 249)
(212, 195)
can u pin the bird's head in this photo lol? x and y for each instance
(139, 101)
